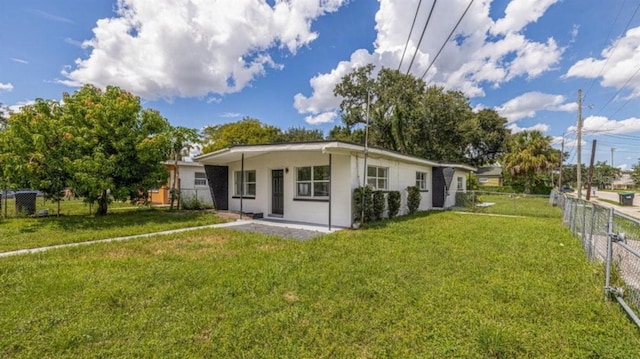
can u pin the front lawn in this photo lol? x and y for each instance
(29, 232)
(432, 285)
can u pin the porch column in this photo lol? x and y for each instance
(330, 190)
(241, 183)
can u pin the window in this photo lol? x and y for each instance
(421, 180)
(378, 177)
(312, 181)
(460, 183)
(483, 179)
(200, 179)
(249, 183)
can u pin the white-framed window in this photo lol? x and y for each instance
(460, 183)
(249, 183)
(200, 179)
(483, 179)
(378, 177)
(312, 181)
(421, 180)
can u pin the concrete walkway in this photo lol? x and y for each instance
(292, 230)
(631, 211)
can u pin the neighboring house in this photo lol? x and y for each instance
(490, 176)
(313, 182)
(192, 181)
(624, 182)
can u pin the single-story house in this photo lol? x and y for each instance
(624, 182)
(490, 176)
(313, 182)
(191, 181)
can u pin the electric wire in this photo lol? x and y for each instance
(424, 29)
(447, 40)
(409, 36)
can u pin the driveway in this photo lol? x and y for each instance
(633, 211)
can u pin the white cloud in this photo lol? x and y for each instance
(537, 127)
(617, 65)
(528, 104)
(325, 117)
(20, 61)
(51, 16)
(473, 58)
(594, 125)
(520, 13)
(230, 115)
(8, 87)
(189, 48)
(17, 107)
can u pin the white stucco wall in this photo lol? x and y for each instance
(401, 176)
(187, 183)
(450, 200)
(295, 209)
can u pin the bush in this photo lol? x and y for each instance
(413, 199)
(193, 202)
(378, 205)
(393, 199)
(363, 203)
(466, 199)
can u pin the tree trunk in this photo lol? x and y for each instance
(173, 183)
(103, 202)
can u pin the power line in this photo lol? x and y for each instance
(447, 40)
(409, 36)
(603, 45)
(424, 29)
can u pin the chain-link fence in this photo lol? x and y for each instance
(515, 204)
(613, 238)
(194, 198)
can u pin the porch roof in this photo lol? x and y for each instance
(234, 153)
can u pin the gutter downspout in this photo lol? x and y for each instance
(241, 183)
(330, 190)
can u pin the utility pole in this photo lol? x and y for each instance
(612, 149)
(579, 166)
(593, 155)
(561, 162)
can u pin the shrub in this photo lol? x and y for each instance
(393, 199)
(413, 198)
(193, 202)
(378, 205)
(363, 203)
(466, 199)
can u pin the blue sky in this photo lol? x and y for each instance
(209, 62)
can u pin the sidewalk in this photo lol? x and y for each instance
(632, 211)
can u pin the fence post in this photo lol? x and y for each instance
(593, 221)
(607, 284)
(514, 201)
(584, 220)
(574, 215)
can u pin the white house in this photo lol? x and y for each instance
(313, 182)
(191, 181)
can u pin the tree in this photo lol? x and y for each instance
(343, 133)
(180, 138)
(529, 155)
(604, 175)
(248, 131)
(34, 149)
(301, 134)
(118, 147)
(635, 173)
(407, 116)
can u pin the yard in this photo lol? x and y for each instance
(440, 284)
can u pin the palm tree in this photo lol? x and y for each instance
(181, 139)
(530, 154)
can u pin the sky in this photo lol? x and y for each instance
(204, 63)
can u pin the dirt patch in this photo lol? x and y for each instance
(229, 216)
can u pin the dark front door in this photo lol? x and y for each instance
(277, 192)
(439, 187)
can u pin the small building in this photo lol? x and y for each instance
(625, 181)
(490, 176)
(192, 181)
(313, 182)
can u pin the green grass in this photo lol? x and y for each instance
(67, 207)
(19, 233)
(433, 285)
(518, 205)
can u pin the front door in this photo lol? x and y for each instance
(277, 192)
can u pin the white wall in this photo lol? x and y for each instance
(450, 200)
(188, 187)
(401, 176)
(295, 209)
